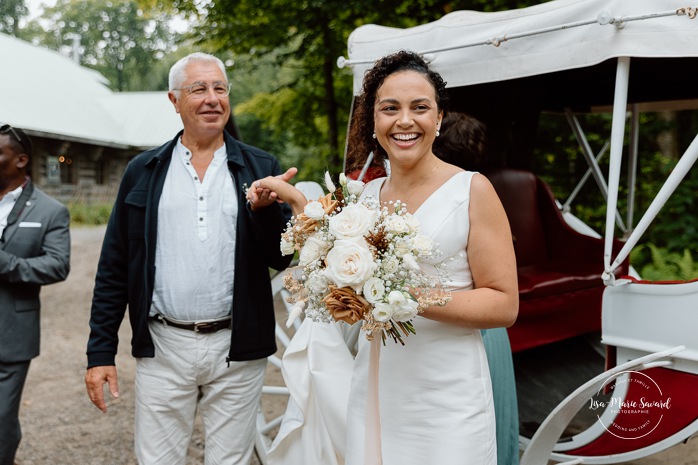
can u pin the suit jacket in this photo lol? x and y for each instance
(126, 271)
(34, 250)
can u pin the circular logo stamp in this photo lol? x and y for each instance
(630, 405)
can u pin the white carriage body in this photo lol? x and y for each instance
(643, 318)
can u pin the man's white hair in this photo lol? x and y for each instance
(178, 74)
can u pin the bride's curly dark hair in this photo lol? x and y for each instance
(360, 139)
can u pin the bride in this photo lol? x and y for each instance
(434, 399)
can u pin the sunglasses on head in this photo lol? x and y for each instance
(6, 129)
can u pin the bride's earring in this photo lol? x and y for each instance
(374, 135)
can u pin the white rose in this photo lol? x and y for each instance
(382, 312)
(314, 210)
(401, 247)
(287, 248)
(374, 290)
(396, 224)
(406, 311)
(350, 263)
(412, 222)
(342, 179)
(355, 187)
(424, 245)
(396, 298)
(313, 249)
(317, 283)
(353, 221)
(410, 262)
(390, 265)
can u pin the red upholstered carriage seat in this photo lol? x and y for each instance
(559, 269)
(373, 172)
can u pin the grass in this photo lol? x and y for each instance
(82, 214)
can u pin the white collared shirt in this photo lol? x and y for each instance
(7, 202)
(195, 249)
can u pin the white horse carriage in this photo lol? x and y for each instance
(588, 324)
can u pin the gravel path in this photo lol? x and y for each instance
(61, 427)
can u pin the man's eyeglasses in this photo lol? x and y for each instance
(200, 90)
(6, 128)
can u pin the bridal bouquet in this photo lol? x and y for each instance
(359, 261)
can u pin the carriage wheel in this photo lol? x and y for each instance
(546, 375)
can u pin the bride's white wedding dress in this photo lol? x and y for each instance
(434, 392)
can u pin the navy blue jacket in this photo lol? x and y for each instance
(126, 269)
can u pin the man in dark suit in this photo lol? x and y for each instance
(34, 250)
(190, 259)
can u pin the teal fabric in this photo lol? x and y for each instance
(504, 392)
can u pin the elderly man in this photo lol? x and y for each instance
(34, 250)
(190, 258)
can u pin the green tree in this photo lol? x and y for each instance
(307, 37)
(11, 12)
(117, 38)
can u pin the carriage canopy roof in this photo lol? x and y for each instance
(469, 48)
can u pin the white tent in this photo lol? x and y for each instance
(51, 96)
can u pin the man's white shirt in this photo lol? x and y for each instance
(7, 202)
(195, 248)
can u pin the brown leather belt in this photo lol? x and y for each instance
(203, 327)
